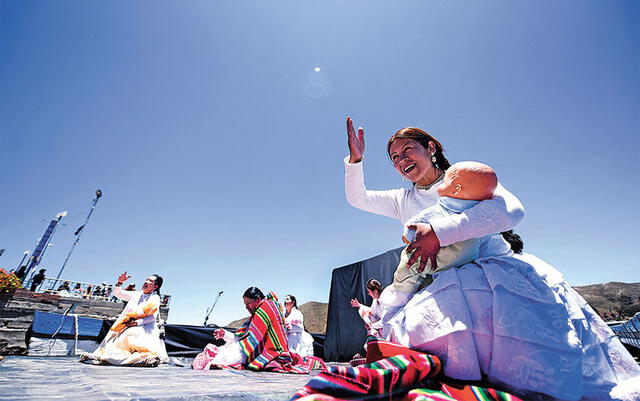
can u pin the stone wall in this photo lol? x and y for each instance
(16, 314)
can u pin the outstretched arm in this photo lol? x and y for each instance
(118, 292)
(379, 202)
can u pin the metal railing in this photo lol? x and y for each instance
(629, 331)
(80, 289)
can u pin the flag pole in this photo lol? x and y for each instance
(79, 231)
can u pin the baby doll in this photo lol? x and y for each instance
(464, 185)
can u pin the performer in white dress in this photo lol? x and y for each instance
(371, 315)
(299, 340)
(510, 321)
(134, 339)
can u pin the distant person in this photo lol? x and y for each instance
(98, 291)
(77, 291)
(21, 272)
(371, 315)
(64, 289)
(37, 280)
(259, 344)
(103, 289)
(134, 339)
(109, 290)
(300, 341)
(88, 291)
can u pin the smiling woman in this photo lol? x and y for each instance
(508, 320)
(415, 142)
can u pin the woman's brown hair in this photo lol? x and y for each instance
(423, 139)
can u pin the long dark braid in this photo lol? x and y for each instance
(158, 281)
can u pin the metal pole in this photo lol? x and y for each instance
(22, 260)
(211, 310)
(95, 201)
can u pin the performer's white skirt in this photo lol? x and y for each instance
(132, 346)
(515, 322)
(301, 343)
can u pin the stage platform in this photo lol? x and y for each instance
(49, 378)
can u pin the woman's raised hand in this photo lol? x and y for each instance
(426, 245)
(123, 277)
(355, 141)
(354, 302)
(218, 334)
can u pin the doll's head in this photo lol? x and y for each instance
(470, 181)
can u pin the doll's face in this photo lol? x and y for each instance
(451, 184)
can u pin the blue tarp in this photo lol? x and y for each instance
(46, 323)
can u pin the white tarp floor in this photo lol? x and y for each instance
(48, 378)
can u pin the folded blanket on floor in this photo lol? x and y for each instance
(398, 373)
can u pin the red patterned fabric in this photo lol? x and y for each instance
(379, 349)
(397, 373)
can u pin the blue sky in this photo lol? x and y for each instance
(219, 147)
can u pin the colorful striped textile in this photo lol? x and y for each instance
(477, 393)
(264, 342)
(406, 375)
(379, 349)
(357, 360)
(423, 394)
(387, 377)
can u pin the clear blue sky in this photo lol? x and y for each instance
(219, 146)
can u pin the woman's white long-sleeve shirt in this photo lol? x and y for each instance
(295, 319)
(501, 213)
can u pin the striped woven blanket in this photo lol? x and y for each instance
(398, 374)
(264, 342)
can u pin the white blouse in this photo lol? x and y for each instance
(500, 213)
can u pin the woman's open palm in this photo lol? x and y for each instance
(355, 141)
(123, 277)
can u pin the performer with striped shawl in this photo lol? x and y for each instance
(259, 344)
